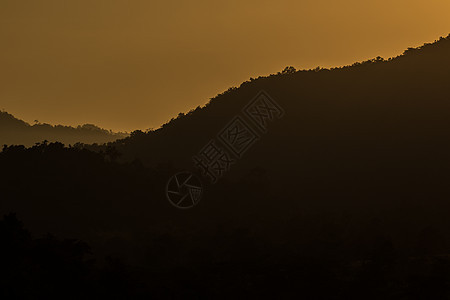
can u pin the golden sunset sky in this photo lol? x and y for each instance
(134, 64)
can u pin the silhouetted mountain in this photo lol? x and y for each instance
(344, 197)
(17, 132)
(375, 128)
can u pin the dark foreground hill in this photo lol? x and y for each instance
(17, 132)
(374, 133)
(344, 197)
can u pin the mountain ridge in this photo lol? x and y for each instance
(395, 75)
(16, 131)
(347, 191)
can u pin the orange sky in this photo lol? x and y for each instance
(133, 64)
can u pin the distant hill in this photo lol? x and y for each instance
(17, 132)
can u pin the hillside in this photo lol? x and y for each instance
(344, 197)
(380, 125)
(17, 132)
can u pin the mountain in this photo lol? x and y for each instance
(343, 196)
(17, 132)
(356, 144)
(380, 125)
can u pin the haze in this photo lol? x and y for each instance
(133, 64)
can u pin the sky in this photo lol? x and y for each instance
(134, 64)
